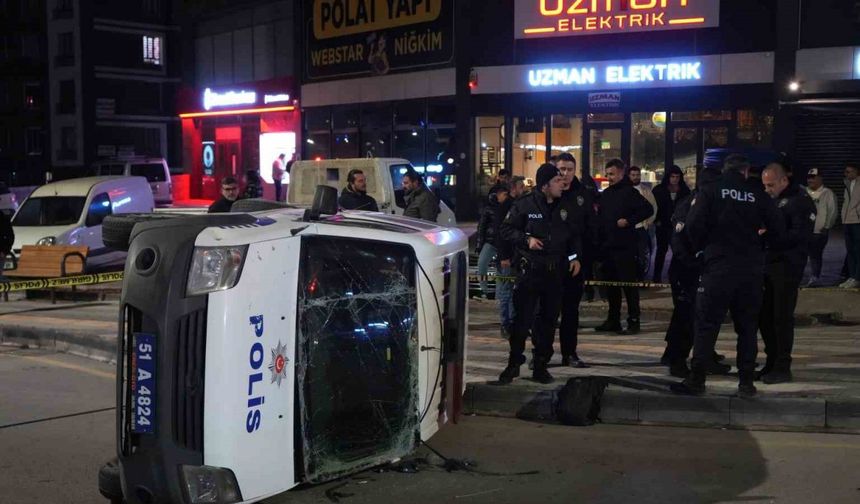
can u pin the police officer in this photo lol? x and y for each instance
(784, 265)
(579, 197)
(727, 221)
(684, 271)
(541, 228)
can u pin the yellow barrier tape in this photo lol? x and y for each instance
(50, 283)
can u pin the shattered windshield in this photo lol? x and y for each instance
(357, 355)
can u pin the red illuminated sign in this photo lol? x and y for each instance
(564, 18)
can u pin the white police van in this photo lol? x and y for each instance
(261, 350)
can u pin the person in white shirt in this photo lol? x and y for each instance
(644, 229)
(851, 223)
(826, 213)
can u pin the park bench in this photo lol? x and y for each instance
(49, 261)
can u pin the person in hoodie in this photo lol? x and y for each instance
(784, 264)
(671, 191)
(621, 209)
(505, 253)
(487, 232)
(354, 196)
(826, 214)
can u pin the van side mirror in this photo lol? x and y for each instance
(325, 203)
(399, 198)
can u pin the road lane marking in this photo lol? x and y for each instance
(64, 365)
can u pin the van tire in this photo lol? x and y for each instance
(256, 205)
(109, 482)
(116, 229)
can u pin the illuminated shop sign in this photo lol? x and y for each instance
(211, 99)
(562, 18)
(276, 98)
(633, 74)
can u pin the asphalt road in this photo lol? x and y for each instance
(57, 427)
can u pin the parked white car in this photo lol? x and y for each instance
(381, 173)
(259, 351)
(155, 171)
(70, 212)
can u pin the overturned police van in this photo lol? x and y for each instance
(261, 350)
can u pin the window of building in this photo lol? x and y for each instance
(318, 145)
(529, 149)
(33, 95)
(152, 7)
(63, 9)
(65, 49)
(35, 141)
(345, 145)
(68, 143)
(755, 129)
(345, 142)
(648, 144)
(409, 145)
(10, 46)
(67, 97)
(612, 117)
(703, 115)
(152, 45)
(567, 137)
(345, 118)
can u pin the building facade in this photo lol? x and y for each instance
(24, 148)
(653, 82)
(239, 108)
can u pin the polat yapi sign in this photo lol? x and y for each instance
(564, 18)
(375, 37)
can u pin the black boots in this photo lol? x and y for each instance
(609, 326)
(693, 385)
(777, 376)
(512, 370)
(540, 373)
(632, 328)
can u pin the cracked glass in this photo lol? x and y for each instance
(357, 355)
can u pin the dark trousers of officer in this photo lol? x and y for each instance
(278, 190)
(664, 235)
(816, 252)
(679, 336)
(537, 285)
(568, 331)
(727, 287)
(776, 322)
(621, 266)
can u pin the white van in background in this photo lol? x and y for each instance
(380, 172)
(70, 212)
(154, 169)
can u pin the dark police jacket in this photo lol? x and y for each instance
(621, 201)
(798, 212)
(554, 225)
(582, 197)
(725, 218)
(220, 205)
(354, 200)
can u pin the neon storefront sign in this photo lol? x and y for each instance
(554, 18)
(212, 99)
(632, 74)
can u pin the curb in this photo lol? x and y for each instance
(101, 347)
(627, 406)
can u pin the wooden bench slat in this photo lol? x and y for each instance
(45, 261)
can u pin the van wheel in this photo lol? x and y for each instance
(109, 482)
(116, 229)
(256, 205)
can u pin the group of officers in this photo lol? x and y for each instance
(739, 245)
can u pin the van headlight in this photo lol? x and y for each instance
(206, 484)
(48, 240)
(215, 269)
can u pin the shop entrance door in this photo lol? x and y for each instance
(605, 143)
(691, 140)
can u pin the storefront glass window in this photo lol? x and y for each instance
(410, 113)
(606, 118)
(345, 145)
(318, 145)
(605, 144)
(567, 137)
(716, 137)
(375, 143)
(441, 113)
(317, 119)
(703, 115)
(345, 118)
(686, 150)
(490, 149)
(648, 144)
(755, 129)
(409, 145)
(441, 151)
(376, 117)
(529, 146)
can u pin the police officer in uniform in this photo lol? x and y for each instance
(541, 228)
(684, 272)
(727, 221)
(784, 265)
(580, 199)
